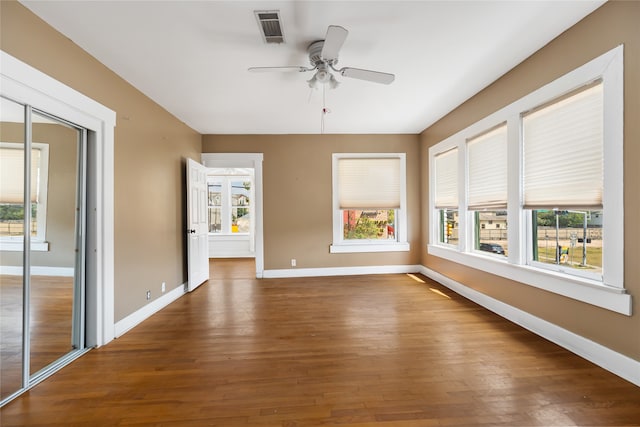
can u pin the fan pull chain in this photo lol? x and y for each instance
(325, 110)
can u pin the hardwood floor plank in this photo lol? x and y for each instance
(338, 351)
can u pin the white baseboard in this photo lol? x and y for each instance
(36, 270)
(137, 317)
(612, 361)
(339, 271)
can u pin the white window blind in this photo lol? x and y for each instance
(12, 175)
(487, 156)
(446, 165)
(369, 183)
(563, 152)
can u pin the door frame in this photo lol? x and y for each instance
(25, 84)
(245, 160)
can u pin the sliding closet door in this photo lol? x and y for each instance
(11, 246)
(57, 278)
(42, 245)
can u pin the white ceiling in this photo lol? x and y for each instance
(192, 57)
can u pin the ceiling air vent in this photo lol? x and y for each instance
(270, 27)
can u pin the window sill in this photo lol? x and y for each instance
(18, 246)
(368, 247)
(229, 236)
(581, 289)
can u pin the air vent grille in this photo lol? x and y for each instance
(270, 26)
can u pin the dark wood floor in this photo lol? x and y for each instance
(350, 351)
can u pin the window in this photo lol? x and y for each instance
(215, 206)
(446, 195)
(230, 206)
(563, 180)
(12, 195)
(487, 189)
(369, 203)
(540, 196)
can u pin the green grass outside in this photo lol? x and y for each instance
(594, 256)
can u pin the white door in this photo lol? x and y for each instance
(197, 225)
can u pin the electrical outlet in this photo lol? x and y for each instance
(164, 287)
(148, 295)
(293, 262)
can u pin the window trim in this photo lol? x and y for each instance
(608, 293)
(340, 245)
(37, 242)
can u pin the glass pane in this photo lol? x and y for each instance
(215, 220)
(215, 194)
(491, 232)
(11, 229)
(215, 203)
(53, 269)
(240, 193)
(240, 201)
(369, 224)
(568, 238)
(240, 219)
(449, 226)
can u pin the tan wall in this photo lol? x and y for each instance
(61, 193)
(150, 147)
(613, 24)
(297, 194)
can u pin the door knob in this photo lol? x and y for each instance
(191, 231)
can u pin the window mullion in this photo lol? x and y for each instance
(463, 215)
(516, 224)
(225, 213)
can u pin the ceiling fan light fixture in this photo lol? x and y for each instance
(333, 83)
(313, 82)
(323, 76)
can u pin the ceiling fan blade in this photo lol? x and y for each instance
(333, 42)
(372, 76)
(293, 68)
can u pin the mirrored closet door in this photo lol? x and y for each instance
(42, 245)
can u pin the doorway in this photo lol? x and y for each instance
(231, 212)
(42, 245)
(235, 206)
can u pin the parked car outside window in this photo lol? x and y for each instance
(492, 247)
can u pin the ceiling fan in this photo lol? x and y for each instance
(323, 55)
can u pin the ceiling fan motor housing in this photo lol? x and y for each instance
(315, 54)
